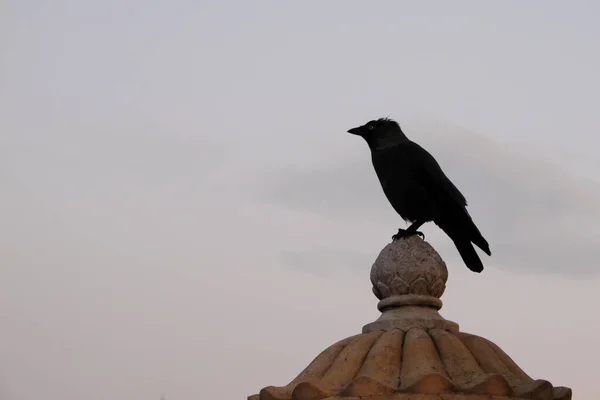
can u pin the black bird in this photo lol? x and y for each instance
(418, 189)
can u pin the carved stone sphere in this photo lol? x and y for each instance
(409, 266)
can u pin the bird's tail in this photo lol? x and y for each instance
(469, 255)
(468, 230)
(462, 230)
(476, 237)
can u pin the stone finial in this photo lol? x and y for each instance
(411, 351)
(409, 266)
(408, 278)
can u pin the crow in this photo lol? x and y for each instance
(418, 189)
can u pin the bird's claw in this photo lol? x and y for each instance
(402, 233)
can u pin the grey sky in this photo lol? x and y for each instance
(183, 212)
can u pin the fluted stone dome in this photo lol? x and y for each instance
(411, 351)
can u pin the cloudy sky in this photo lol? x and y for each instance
(183, 212)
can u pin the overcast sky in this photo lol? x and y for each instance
(183, 212)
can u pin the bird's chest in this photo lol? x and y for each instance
(398, 187)
(401, 187)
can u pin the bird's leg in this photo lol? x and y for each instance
(411, 230)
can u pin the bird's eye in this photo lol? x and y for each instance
(370, 127)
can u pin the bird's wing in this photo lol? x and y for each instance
(430, 175)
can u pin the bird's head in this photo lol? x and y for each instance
(380, 133)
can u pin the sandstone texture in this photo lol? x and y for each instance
(411, 352)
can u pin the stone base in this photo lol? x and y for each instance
(409, 396)
(405, 318)
(449, 396)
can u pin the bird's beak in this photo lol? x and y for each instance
(354, 131)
